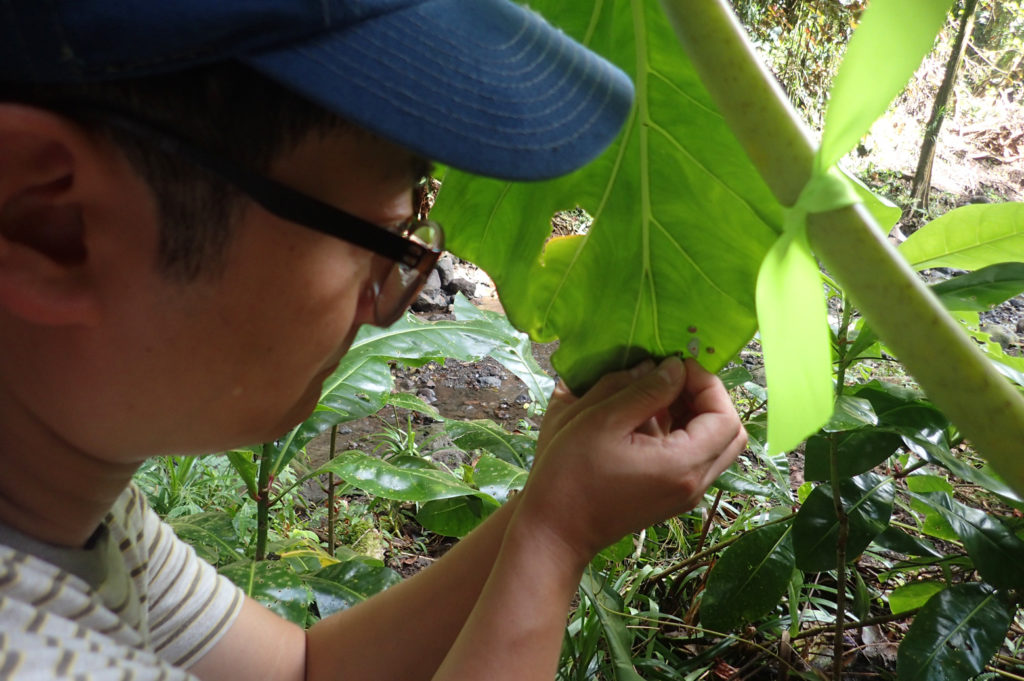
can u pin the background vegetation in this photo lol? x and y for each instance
(883, 546)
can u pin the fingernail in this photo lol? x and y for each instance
(671, 369)
(642, 369)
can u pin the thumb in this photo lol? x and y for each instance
(637, 403)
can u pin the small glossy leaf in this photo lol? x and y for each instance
(274, 585)
(996, 551)
(859, 451)
(734, 377)
(851, 413)
(615, 553)
(912, 596)
(928, 483)
(864, 340)
(412, 403)
(244, 463)
(735, 481)
(514, 448)
(749, 578)
(984, 289)
(455, 517)
(384, 479)
(895, 539)
(954, 635)
(868, 502)
(969, 238)
(497, 477)
(339, 587)
(211, 534)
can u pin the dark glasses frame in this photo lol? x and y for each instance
(417, 256)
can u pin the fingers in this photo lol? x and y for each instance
(646, 398)
(564, 406)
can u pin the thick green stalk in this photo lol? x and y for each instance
(263, 501)
(911, 321)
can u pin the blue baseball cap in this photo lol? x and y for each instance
(482, 85)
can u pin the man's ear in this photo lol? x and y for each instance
(43, 274)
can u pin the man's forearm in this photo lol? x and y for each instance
(411, 626)
(515, 631)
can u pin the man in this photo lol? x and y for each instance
(200, 203)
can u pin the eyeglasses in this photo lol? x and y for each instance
(412, 248)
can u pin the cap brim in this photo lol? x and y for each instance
(485, 86)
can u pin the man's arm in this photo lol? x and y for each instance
(627, 455)
(402, 633)
(640, 447)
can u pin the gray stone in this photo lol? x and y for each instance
(431, 298)
(463, 286)
(445, 269)
(489, 382)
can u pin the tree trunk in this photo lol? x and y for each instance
(923, 177)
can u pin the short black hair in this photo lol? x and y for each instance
(225, 108)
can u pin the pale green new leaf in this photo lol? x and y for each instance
(892, 39)
(969, 238)
(799, 375)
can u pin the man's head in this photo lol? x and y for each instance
(337, 100)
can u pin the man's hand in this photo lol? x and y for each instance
(640, 446)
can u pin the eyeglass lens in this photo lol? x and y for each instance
(398, 289)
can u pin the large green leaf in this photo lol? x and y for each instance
(868, 501)
(457, 516)
(954, 635)
(682, 221)
(498, 478)
(339, 587)
(362, 382)
(273, 584)
(858, 450)
(912, 596)
(385, 479)
(749, 579)
(996, 551)
(516, 354)
(969, 238)
(981, 290)
(513, 448)
(211, 534)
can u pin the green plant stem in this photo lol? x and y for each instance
(710, 520)
(843, 338)
(843, 533)
(870, 621)
(910, 469)
(263, 501)
(893, 299)
(841, 540)
(696, 558)
(1004, 673)
(332, 513)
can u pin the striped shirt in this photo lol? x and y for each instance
(136, 604)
